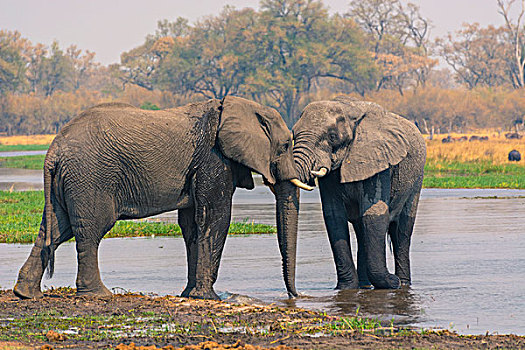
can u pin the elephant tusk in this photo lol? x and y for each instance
(320, 173)
(302, 185)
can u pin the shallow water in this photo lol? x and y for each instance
(468, 263)
(21, 153)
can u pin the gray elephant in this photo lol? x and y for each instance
(115, 161)
(369, 164)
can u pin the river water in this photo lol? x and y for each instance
(468, 263)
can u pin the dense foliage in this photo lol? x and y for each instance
(285, 54)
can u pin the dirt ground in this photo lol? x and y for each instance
(61, 320)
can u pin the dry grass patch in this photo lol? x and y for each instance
(26, 139)
(495, 150)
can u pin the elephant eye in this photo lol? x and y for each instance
(332, 137)
(284, 148)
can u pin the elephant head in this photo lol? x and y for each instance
(257, 138)
(357, 138)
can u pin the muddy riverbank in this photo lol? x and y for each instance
(62, 320)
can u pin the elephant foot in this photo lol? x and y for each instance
(99, 292)
(405, 283)
(390, 281)
(200, 293)
(364, 283)
(347, 285)
(24, 291)
(366, 286)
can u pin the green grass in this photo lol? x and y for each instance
(23, 162)
(481, 174)
(21, 213)
(12, 148)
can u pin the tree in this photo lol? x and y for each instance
(35, 72)
(57, 71)
(83, 65)
(12, 64)
(276, 55)
(140, 65)
(398, 38)
(300, 44)
(517, 40)
(215, 56)
(479, 56)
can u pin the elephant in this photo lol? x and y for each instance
(514, 156)
(115, 161)
(369, 166)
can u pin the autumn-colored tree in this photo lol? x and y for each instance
(456, 110)
(84, 66)
(398, 38)
(478, 56)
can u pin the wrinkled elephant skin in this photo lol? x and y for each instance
(369, 165)
(115, 161)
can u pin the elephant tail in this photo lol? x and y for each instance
(49, 212)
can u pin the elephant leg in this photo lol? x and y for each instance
(88, 275)
(364, 283)
(212, 222)
(336, 222)
(213, 191)
(401, 234)
(375, 223)
(189, 232)
(30, 275)
(88, 234)
(375, 215)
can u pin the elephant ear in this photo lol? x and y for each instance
(379, 142)
(244, 134)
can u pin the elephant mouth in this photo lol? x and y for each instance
(296, 182)
(320, 173)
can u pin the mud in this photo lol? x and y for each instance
(132, 321)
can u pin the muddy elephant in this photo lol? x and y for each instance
(115, 161)
(369, 165)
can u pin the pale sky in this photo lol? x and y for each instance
(110, 27)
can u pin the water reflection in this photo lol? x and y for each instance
(402, 305)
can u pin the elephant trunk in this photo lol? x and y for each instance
(287, 197)
(303, 162)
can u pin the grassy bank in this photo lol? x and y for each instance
(35, 162)
(442, 173)
(14, 148)
(21, 213)
(477, 164)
